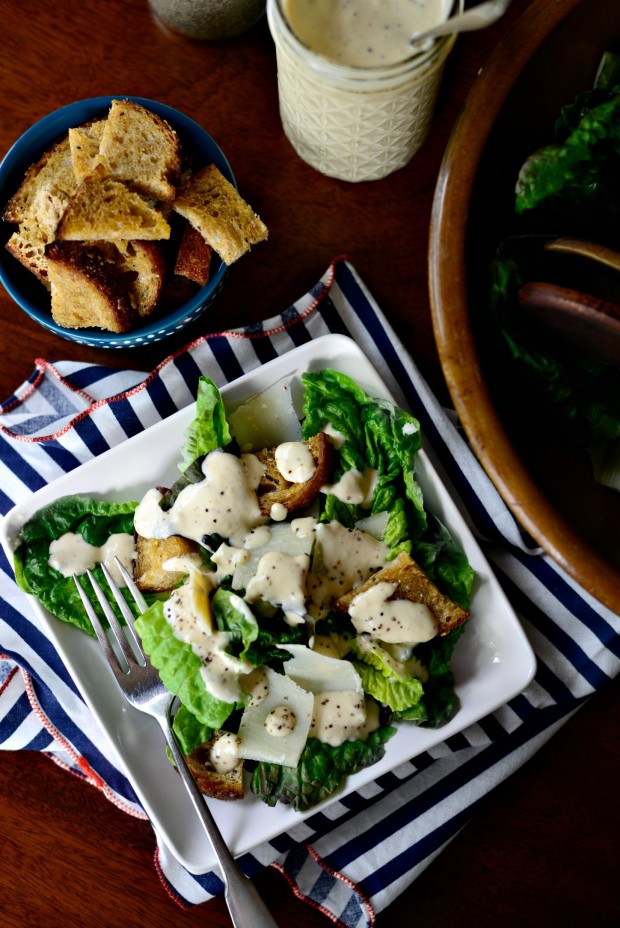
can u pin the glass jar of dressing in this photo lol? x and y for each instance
(356, 101)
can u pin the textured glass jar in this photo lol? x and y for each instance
(355, 124)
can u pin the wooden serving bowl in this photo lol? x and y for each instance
(551, 54)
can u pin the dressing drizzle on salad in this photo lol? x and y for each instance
(253, 640)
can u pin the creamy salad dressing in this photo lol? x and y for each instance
(338, 716)
(278, 512)
(280, 581)
(70, 554)
(280, 722)
(256, 685)
(224, 753)
(345, 558)
(356, 101)
(295, 462)
(362, 33)
(354, 487)
(271, 563)
(227, 558)
(188, 612)
(224, 503)
(374, 613)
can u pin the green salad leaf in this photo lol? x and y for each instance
(399, 695)
(440, 699)
(382, 436)
(179, 667)
(580, 167)
(209, 428)
(319, 772)
(95, 521)
(378, 435)
(189, 732)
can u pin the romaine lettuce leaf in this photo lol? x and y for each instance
(234, 616)
(179, 667)
(95, 521)
(209, 428)
(440, 700)
(443, 561)
(378, 435)
(258, 642)
(398, 694)
(581, 166)
(384, 437)
(319, 772)
(190, 733)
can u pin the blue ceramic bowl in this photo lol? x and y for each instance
(27, 290)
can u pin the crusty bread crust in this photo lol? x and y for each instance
(214, 207)
(414, 585)
(87, 290)
(151, 554)
(27, 244)
(46, 188)
(193, 256)
(275, 488)
(37, 206)
(227, 786)
(146, 265)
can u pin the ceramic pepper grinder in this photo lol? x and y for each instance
(208, 19)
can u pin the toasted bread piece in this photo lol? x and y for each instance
(84, 142)
(104, 209)
(194, 256)
(275, 488)
(151, 554)
(141, 149)
(27, 244)
(214, 207)
(87, 289)
(414, 585)
(37, 206)
(146, 264)
(225, 786)
(45, 190)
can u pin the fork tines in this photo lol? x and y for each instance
(131, 654)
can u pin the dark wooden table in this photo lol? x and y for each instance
(542, 849)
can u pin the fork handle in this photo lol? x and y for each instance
(246, 908)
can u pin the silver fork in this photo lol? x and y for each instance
(142, 687)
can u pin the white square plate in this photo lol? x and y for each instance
(493, 661)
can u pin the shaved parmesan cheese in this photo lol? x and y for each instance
(266, 419)
(374, 525)
(319, 673)
(281, 537)
(256, 741)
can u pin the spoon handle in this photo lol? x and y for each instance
(587, 322)
(478, 17)
(592, 250)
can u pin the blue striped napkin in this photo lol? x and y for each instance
(355, 857)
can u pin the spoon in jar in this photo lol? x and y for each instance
(484, 14)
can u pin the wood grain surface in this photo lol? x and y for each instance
(542, 849)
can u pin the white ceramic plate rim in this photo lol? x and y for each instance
(493, 661)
